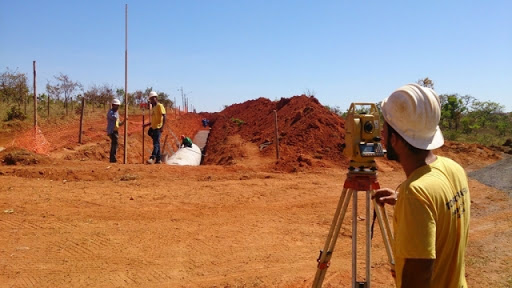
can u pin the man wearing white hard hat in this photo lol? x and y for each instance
(113, 124)
(157, 123)
(432, 206)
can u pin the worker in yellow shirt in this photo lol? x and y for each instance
(432, 206)
(157, 123)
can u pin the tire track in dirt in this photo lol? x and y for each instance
(19, 224)
(74, 249)
(28, 281)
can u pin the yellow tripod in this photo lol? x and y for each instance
(364, 180)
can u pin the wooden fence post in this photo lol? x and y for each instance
(143, 121)
(277, 136)
(81, 121)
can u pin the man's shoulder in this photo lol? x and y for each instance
(161, 107)
(446, 160)
(448, 163)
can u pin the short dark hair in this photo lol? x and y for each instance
(411, 148)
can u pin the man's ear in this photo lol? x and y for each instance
(395, 139)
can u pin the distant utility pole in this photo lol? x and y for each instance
(184, 99)
(126, 86)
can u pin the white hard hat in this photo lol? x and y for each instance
(116, 102)
(414, 112)
(152, 94)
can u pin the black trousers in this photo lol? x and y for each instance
(156, 144)
(114, 136)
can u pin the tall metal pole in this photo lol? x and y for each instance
(35, 96)
(126, 86)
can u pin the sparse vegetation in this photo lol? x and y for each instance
(238, 121)
(15, 114)
(336, 110)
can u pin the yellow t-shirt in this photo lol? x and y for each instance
(431, 221)
(157, 116)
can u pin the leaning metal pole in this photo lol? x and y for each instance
(126, 86)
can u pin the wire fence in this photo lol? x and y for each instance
(55, 134)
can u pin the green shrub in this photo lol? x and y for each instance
(451, 135)
(15, 114)
(237, 121)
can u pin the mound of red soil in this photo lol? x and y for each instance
(17, 156)
(471, 156)
(309, 134)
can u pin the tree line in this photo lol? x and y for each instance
(465, 118)
(62, 90)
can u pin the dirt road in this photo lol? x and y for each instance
(91, 224)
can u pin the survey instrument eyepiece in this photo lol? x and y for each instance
(362, 138)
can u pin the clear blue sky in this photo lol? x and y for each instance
(224, 52)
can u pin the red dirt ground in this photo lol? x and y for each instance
(70, 219)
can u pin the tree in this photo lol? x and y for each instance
(68, 88)
(336, 110)
(92, 96)
(164, 99)
(426, 82)
(486, 112)
(467, 101)
(120, 94)
(106, 95)
(139, 97)
(452, 110)
(65, 86)
(13, 87)
(53, 91)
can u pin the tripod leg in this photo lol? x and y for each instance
(368, 239)
(326, 254)
(354, 239)
(387, 234)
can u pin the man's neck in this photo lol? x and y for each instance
(414, 161)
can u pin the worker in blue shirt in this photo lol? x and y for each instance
(113, 124)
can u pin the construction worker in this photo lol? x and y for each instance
(205, 122)
(113, 124)
(186, 142)
(157, 123)
(432, 206)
